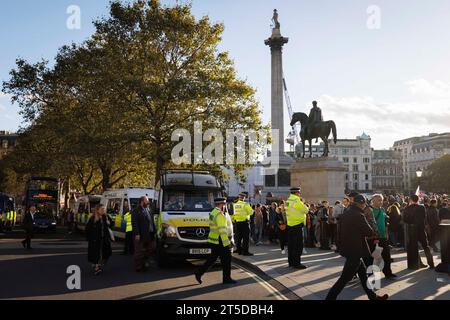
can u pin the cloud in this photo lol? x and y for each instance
(423, 88)
(428, 111)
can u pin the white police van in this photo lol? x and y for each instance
(185, 200)
(118, 202)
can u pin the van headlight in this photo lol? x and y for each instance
(169, 231)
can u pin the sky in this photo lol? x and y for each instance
(391, 81)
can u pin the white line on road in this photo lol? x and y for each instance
(278, 295)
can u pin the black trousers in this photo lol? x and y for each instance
(225, 259)
(386, 254)
(352, 266)
(28, 236)
(332, 227)
(242, 236)
(423, 240)
(295, 245)
(282, 236)
(129, 243)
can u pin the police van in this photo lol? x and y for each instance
(84, 209)
(8, 213)
(185, 200)
(119, 202)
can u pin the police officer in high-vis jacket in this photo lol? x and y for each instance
(296, 212)
(220, 243)
(241, 215)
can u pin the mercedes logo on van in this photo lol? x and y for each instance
(200, 232)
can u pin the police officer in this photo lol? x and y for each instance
(220, 243)
(296, 219)
(129, 244)
(242, 212)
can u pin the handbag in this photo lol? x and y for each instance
(111, 235)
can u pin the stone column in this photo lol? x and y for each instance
(276, 42)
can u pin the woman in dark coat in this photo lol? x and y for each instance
(97, 233)
(281, 226)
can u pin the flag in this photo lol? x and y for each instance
(418, 191)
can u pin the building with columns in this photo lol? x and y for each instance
(418, 153)
(387, 173)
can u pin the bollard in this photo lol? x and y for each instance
(444, 229)
(412, 247)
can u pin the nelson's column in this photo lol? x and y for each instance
(278, 184)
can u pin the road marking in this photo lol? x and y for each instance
(278, 295)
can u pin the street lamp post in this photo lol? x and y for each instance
(419, 173)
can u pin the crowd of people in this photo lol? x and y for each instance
(268, 224)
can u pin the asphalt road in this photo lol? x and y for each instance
(41, 273)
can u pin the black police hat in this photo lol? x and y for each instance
(242, 195)
(359, 199)
(296, 189)
(353, 194)
(220, 200)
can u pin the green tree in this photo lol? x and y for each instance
(436, 177)
(104, 114)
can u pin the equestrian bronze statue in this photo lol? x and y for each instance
(313, 127)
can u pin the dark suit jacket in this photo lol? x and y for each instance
(416, 214)
(353, 229)
(142, 221)
(27, 222)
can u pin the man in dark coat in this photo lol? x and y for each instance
(353, 231)
(27, 225)
(415, 214)
(144, 234)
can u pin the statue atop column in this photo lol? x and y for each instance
(275, 21)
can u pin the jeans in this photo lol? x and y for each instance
(258, 235)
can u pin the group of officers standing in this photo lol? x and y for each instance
(221, 238)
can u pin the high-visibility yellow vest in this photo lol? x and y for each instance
(127, 218)
(218, 228)
(242, 211)
(295, 211)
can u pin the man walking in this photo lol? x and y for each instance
(353, 229)
(144, 234)
(296, 219)
(219, 240)
(27, 224)
(242, 212)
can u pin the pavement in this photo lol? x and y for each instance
(41, 274)
(324, 268)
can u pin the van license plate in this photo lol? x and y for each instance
(200, 251)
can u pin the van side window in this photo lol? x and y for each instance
(126, 206)
(82, 207)
(114, 206)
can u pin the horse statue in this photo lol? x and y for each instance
(320, 130)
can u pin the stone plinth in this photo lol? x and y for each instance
(320, 179)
